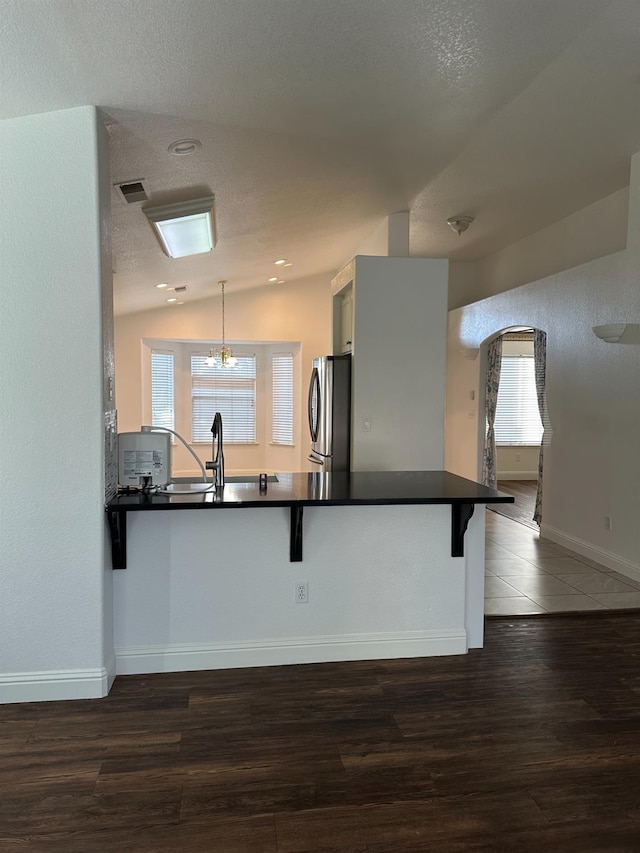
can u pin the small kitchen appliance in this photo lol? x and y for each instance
(144, 459)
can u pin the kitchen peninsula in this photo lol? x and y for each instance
(392, 564)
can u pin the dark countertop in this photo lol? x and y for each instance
(361, 488)
(321, 489)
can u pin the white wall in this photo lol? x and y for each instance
(296, 311)
(390, 238)
(52, 526)
(399, 363)
(592, 467)
(593, 232)
(399, 351)
(517, 463)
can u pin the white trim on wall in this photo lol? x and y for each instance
(57, 684)
(591, 552)
(134, 660)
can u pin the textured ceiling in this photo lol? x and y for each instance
(320, 117)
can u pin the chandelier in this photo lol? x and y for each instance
(224, 356)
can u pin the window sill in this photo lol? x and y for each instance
(516, 444)
(226, 443)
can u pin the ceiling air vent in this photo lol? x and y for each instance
(132, 191)
(180, 289)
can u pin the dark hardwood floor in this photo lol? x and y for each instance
(531, 745)
(524, 492)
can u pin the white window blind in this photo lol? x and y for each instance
(230, 391)
(517, 417)
(162, 393)
(282, 399)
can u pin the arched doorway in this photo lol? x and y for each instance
(517, 426)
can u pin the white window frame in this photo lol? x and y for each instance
(182, 351)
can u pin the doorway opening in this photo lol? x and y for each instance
(517, 423)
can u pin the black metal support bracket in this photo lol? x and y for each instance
(118, 529)
(460, 517)
(295, 542)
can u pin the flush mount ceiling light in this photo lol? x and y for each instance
(224, 356)
(280, 262)
(183, 229)
(273, 278)
(459, 224)
(184, 147)
(162, 285)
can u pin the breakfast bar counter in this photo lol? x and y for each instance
(393, 566)
(297, 490)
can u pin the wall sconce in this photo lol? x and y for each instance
(183, 229)
(618, 333)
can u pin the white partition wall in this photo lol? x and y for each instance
(399, 361)
(55, 591)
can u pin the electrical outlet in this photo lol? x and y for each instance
(518, 457)
(608, 525)
(302, 592)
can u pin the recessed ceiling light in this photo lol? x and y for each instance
(172, 299)
(280, 281)
(179, 302)
(162, 285)
(281, 261)
(289, 264)
(273, 278)
(184, 146)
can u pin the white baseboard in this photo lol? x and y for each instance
(517, 475)
(134, 660)
(591, 552)
(111, 670)
(55, 684)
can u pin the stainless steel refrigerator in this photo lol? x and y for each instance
(330, 413)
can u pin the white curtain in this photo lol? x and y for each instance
(494, 361)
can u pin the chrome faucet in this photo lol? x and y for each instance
(217, 452)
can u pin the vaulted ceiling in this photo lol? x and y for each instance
(318, 118)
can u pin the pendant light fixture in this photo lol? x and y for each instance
(224, 356)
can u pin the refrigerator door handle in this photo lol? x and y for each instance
(313, 458)
(314, 393)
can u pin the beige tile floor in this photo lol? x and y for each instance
(524, 574)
